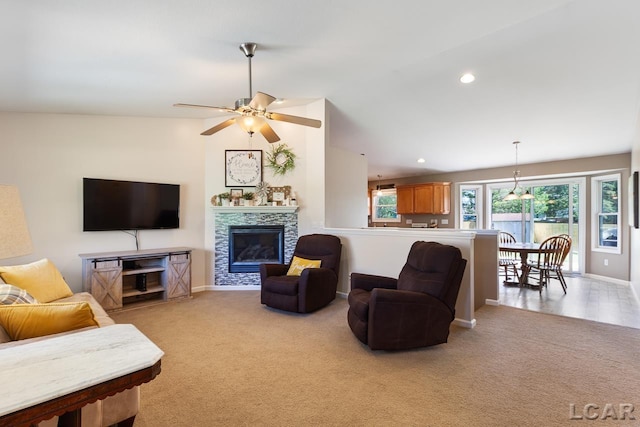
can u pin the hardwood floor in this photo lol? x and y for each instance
(586, 298)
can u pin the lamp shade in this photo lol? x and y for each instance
(527, 196)
(511, 196)
(14, 235)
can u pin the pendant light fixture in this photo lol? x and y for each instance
(379, 192)
(516, 175)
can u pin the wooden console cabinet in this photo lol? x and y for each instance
(428, 198)
(127, 278)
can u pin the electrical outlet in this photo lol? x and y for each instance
(409, 221)
(606, 262)
(444, 221)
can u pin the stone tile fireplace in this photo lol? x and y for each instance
(247, 236)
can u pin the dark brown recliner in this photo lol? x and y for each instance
(414, 310)
(315, 287)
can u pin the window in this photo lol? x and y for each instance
(606, 211)
(558, 207)
(385, 206)
(470, 207)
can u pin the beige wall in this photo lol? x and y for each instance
(346, 201)
(618, 264)
(634, 236)
(47, 155)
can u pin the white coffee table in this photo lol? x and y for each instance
(60, 375)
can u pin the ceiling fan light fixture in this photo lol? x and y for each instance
(253, 110)
(250, 124)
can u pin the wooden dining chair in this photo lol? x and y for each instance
(553, 252)
(508, 260)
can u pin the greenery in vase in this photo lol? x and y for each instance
(225, 196)
(281, 159)
(248, 195)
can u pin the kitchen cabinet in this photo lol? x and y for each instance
(427, 198)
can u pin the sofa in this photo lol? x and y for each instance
(120, 408)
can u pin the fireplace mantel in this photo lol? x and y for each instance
(254, 209)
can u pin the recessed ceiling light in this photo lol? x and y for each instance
(467, 78)
(421, 160)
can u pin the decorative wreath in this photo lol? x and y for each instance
(281, 159)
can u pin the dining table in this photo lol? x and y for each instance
(524, 249)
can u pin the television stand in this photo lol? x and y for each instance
(127, 279)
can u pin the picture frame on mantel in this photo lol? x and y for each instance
(242, 168)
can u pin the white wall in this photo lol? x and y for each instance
(47, 155)
(346, 194)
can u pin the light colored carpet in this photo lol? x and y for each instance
(229, 361)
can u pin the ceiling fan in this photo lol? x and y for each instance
(253, 111)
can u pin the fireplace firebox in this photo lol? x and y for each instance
(252, 245)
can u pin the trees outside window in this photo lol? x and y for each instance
(384, 206)
(470, 207)
(606, 210)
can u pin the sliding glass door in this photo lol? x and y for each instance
(557, 208)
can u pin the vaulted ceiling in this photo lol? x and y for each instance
(561, 76)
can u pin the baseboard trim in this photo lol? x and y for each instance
(607, 279)
(232, 288)
(469, 324)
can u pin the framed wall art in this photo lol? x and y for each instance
(236, 193)
(633, 200)
(242, 168)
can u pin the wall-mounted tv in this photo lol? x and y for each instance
(129, 205)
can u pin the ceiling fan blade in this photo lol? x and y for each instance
(294, 119)
(230, 110)
(218, 127)
(261, 101)
(269, 134)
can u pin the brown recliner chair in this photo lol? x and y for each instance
(414, 310)
(315, 287)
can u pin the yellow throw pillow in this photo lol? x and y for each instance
(22, 321)
(299, 264)
(41, 279)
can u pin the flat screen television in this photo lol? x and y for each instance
(129, 205)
